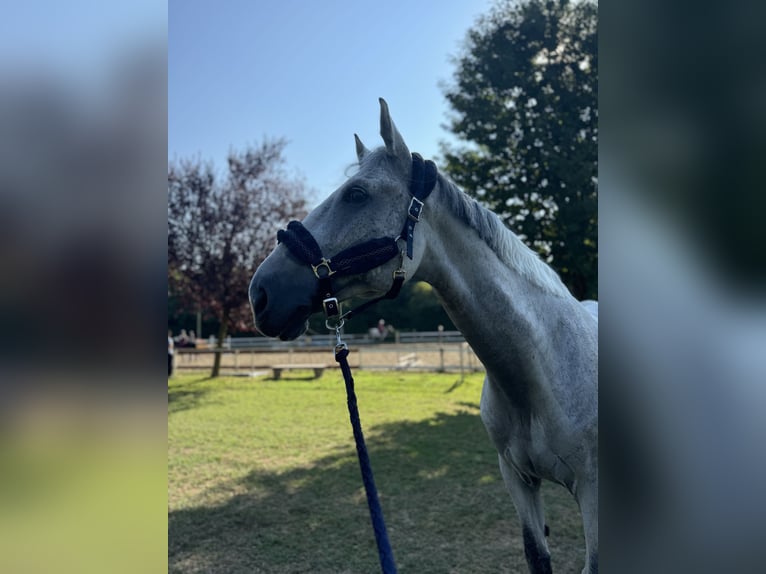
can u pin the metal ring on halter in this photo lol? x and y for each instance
(324, 263)
(337, 327)
(400, 271)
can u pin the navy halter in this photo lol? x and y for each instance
(365, 256)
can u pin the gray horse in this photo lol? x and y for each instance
(539, 345)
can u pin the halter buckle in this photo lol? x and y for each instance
(324, 263)
(415, 209)
(331, 307)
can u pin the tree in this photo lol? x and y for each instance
(220, 231)
(524, 98)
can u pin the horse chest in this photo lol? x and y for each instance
(532, 445)
(533, 459)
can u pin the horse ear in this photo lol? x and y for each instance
(391, 136)
(361, 151)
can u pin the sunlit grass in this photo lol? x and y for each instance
(81, 496)
(263, 477)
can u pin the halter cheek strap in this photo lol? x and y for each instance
(365, 256)
(422, 183)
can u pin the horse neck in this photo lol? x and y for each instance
(495, 305)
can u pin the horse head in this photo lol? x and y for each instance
(372, 203)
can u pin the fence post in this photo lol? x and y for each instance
(462, 374)
(441, 359)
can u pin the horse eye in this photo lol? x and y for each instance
(356, 195)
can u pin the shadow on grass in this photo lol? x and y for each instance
(443, 499)
(456, 385)
(182, 397)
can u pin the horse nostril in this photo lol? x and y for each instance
(260, 301)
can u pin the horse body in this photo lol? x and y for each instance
(540, 349)
(538, 344)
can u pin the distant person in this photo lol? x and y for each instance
(192, 340)
(183, 339)
(171, 351)
(380, 331)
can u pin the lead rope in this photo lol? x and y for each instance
(353, 261)
(385, 554)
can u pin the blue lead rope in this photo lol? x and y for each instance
(355, 260)
(387, 564)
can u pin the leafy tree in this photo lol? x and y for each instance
(220, 231)
(524, 98)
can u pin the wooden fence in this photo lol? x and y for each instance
(445, 356)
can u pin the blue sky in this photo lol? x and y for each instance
(76, 42)
(310, 72)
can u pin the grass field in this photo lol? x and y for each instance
(263, 477)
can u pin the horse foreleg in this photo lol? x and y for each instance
(587, 498)
(529, 506)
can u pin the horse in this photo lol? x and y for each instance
(538, 344)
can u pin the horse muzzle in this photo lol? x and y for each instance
(282, 299)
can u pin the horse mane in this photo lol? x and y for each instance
(509, 248)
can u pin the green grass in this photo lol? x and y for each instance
(263, 477)
(82, 487)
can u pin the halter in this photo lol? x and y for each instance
(362, 257)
